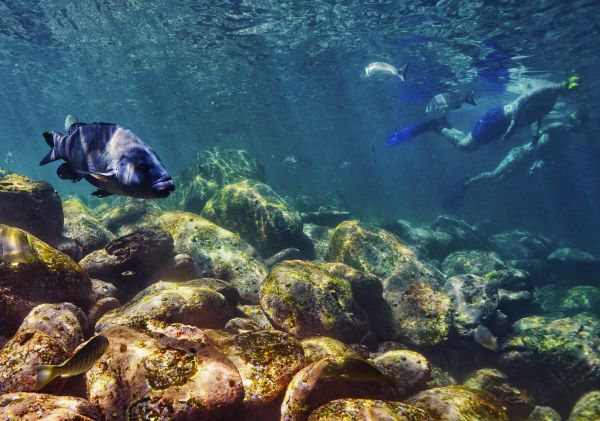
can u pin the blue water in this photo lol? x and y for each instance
(283, 78)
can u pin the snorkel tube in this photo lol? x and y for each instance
(571, 82)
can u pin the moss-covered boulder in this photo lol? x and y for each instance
(475, 262)
(556, 360)
(256, 314)
(131, 261)
(64, 322)
(33, 206)
(210, 171)
(329, 379)
(205, 303)
(464, 236)
(366, 288)
(544, 413)
(318, 347)
(82, 232)
(40, 406)
(428, 242)
(141, 376)
(260, 216)
(418, 314)
(124, 215)
(518, 403)
(587, 407)
(368, 410)
(31, 273)
(519, 244)
(266, 360)
(580, 298)
(22, 354)
(303, 299)
(374, 250)
(575, 264)
(474, 301)
(409, 370)
(459, 403)
(320, 237)
(216, 252)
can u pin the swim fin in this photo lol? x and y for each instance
(455, 196)
(410, 132)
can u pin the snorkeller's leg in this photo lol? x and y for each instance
(410, 132)
(458, 139)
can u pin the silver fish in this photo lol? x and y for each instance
(380, 68)
(485, 338)
(79, 363)
(442, 103)
(111, 158)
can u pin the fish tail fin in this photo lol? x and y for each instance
(470, 99)
(455, 195)
(402, 72)
(53, 140)
(45, 374)
(410, 132)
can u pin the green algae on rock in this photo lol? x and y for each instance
(211, 170)
(260, 216)
(556, 360)
(320, 237)
(459, 403)
(40, 406)
(518, 403)
(474, 262)
(216, 252)
(319, 347)
(368, 410)
(581, 298)
(587, 408)
(408, 369)
(198, 302)
(23, 201)
(266, 360)
(329, 379)
(36, 274)
(304, 300)
(544, 413)
(82, 232)
(141, 376)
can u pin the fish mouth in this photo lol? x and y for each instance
(164, 187)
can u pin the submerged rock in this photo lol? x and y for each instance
(291, 253)
(22, 203)
(143, 377)
(320, 237)
(83, 232)
(40, 406)
(430, 243)
(587, 407)
(374, 250)
(204, 303)
(544, 413)
(518, 403)
(329, 379)
(464, 236)
(256, 314)
(210, 171)
(368, 410)
(519, 244)
(574, 263)
(302, 299)
(22, 354)
(555, 360)
(325, 217)
(216, 252)
(458, 403)
(409, 370)
(266, 360)
(259, 215)
(31, 273)
(122, 216)
(319, 347)
(580, 298)
(418, 314)
(475, 262)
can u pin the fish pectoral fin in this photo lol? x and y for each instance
(102, 176)
(101, 193)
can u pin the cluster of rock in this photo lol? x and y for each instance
(227, 302)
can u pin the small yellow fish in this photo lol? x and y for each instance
(79, 363)
(15, 246)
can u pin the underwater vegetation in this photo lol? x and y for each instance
(230, 301)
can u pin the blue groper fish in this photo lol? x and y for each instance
(111, 158)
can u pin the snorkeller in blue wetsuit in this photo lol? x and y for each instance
(501, 122)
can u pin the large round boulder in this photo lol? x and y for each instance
(26, 406)
(474, 262)
(260, 216)
(587, 408)
(409, 370)
(31, 273)
(458, 403)
(33, 206)
(303, 299)
(368, 410)
(141, 376)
